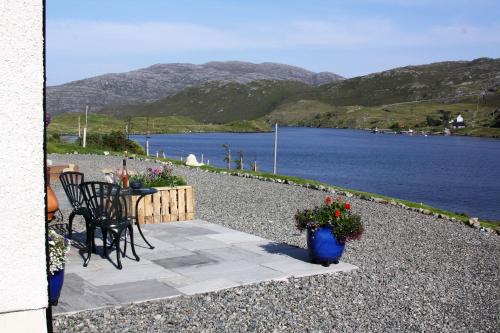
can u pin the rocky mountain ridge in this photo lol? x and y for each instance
(161, 80)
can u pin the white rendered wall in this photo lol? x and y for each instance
(23, 281)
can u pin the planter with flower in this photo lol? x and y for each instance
(58, 248)
(174, 200)
(329, 227)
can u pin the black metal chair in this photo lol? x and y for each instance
(71, 184)
(108, 210)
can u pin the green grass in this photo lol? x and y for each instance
(409, 115)
(220, 102)
(101, 123)
(459, 216)
(59, 147)
(53, 146)
(412, 83)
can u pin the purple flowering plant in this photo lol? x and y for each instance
(159, 177)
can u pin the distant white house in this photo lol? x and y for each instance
(458, 122)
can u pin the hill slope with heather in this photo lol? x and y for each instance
(158, 81)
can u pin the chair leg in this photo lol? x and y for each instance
(105, 241)
(70, 224)
(118, 251)
(132, 241)
(90, 237)
(125, 244)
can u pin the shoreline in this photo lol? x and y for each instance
(490, 226)
(415, 133)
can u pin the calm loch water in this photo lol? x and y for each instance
(460, 174)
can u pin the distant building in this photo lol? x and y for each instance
(458, 122)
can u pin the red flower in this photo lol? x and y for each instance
(347, 206)
(328, 200)
(337, 213)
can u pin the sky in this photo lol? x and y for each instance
(85, 38)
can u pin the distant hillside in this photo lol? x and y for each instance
(410, 97)
(161, 80)
(411, 83)
(221, 102)
(418, 97)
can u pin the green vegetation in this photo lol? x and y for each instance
(96, 144)
(292, 179)
(422, 98)
(411, 83)
(424, 116)
(220, 102)
(346, 225)
(55, 146)
(115, 141)
(159, 177)
(67, 123)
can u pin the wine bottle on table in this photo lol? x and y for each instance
(124, 176)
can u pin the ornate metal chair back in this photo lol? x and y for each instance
(104, 201)
(71, 184)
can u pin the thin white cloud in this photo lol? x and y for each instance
(156, 37)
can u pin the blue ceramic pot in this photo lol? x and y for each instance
(323, 246)
(55, 286)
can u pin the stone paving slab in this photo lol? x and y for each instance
(189, 258)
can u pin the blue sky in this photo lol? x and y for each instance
(350, 38)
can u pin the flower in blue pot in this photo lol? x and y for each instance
(329, 227)
(58, 248)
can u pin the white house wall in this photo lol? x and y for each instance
(23, 287)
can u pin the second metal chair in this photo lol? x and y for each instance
(108, 210)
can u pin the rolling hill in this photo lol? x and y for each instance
(410, 97)
(413, 83)
(158, 81)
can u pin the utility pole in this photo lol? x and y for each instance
(85, 128)
(79, 128)
(129, 127)
(275, 146)
(147, 137)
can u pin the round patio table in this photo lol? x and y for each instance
(141, 192)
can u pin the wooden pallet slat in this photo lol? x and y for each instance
(181, 204)
(174, 212)
(140, 211)
(189, 203)
(156, 207)
(148, 209)
(165, 206)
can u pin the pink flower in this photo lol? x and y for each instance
(328, 200)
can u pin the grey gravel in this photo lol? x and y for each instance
(416, 272)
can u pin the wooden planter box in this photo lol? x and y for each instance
(169, 204)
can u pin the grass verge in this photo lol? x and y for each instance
(63, 148)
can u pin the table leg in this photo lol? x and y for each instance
(137, 221)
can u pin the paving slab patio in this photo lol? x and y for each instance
(189, 258)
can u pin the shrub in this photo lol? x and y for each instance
(346, 226)
(433, 122)
(116, 141)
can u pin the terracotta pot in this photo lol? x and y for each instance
(52, 203)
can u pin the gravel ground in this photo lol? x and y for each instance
(416, 272)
